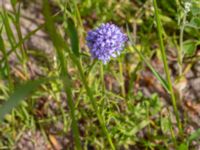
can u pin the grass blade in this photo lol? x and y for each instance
(156, 74)
(9, 31)
(3, 49)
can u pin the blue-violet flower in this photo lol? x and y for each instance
(105, 42)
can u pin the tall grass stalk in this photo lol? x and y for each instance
(166, 68)
(58, 43)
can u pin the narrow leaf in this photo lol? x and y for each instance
(71, 30)
(194, 135)
(189, 47)
(19, 94)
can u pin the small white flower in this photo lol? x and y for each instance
(187, 6)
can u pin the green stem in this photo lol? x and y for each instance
(166, 68)
(180, 51)
(93, 102)
(102, 79)
(122, 79)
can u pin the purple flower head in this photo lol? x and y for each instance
(105, 42)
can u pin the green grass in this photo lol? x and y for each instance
(99, 106)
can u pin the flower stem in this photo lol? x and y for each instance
(102, 78)
(122, 79)
(94, 104)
